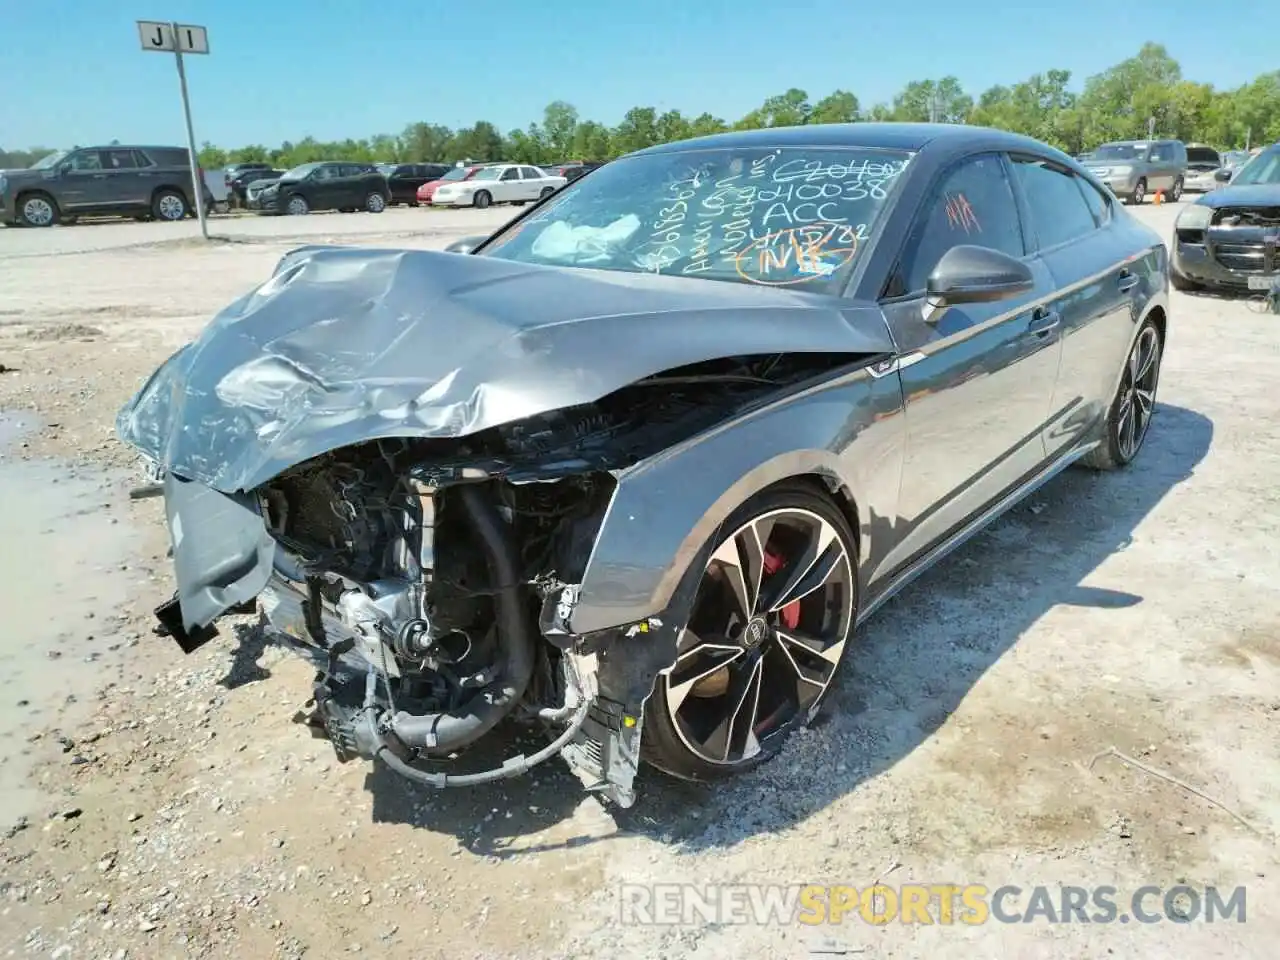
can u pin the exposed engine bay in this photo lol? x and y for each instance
(430, 579)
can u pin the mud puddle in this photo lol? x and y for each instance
(64, 573)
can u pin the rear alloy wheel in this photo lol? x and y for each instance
(1135, 403)
(297, 206)
(767, 631)
(546, 192)
(1176, 193)
(169, 205)
(375, 202)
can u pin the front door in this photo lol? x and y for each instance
(977, 379)
(84, 182)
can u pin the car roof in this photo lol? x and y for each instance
(875, 135)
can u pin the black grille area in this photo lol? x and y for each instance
(1245, 257)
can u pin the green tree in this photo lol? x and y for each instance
(638, 129)
(838, 107)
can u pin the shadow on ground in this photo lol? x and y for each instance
(914, 662)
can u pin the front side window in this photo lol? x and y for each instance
(1120, 151)
(86, 160)
(795, 216)
(972, 204)
(1059, 211)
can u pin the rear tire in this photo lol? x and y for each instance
(1129, 416)
(168, 205)
(546, 192)
(1176, 193)
(1139, 194)
(482, 199)
(297, 206)
(375, 202)
(783, 570)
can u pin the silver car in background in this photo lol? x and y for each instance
(1136, 169)
(1203, 162)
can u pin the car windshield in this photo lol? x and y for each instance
(1264, 168)
(50, 161)
(488, 173)
(387, 169)
(300, 171)
(457, 173)
(774, 217)
(1120, 151)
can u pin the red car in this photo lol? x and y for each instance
(457, 173)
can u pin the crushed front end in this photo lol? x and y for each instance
(433, 581)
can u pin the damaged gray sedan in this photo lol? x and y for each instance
(632, 469)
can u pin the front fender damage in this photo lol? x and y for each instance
(417, 509)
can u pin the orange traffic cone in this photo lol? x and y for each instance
(1159, 197)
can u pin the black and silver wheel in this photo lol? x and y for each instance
(767, 631)
(37, 210)
(297, 206)
(482, 199)
(168, 205)
(375, 202)
(546, 192)
(1176, 193)
(1139, 194)
(1129, 418)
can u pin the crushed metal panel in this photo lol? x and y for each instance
(347, 345)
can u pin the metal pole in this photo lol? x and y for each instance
(196, 180)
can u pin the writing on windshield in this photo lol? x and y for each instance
(782, 216)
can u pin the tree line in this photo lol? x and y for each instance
(1146, 91)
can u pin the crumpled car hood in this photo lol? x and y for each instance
(1245, 195)
(345, 345)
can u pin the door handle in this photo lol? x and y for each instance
(99, 176)
(1127, 281)
(1044, 321)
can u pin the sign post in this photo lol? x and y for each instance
(179, 38)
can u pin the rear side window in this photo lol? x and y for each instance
(1059, 211)
(118, 159)
(972, 204)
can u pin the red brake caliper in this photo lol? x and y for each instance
(790, 614)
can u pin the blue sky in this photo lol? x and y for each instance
(73, 72)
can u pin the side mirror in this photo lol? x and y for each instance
(1222, 176)
(465, 245)
(972, 274)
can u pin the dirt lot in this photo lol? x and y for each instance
(166, 806)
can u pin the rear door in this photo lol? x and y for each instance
(328, 190)
(1073, 228)
(508, 187)
(533, 180)
(977, 379)
(1163, 167)
(124, 186)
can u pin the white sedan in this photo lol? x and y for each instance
(499, 183)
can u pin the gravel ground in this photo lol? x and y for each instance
(167, 806)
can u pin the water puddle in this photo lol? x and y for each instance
(63, 579)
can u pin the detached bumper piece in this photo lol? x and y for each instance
(169, 615)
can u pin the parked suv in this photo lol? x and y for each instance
(145, 182)
(404, 179)
(324, 185)
(1136, 169)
